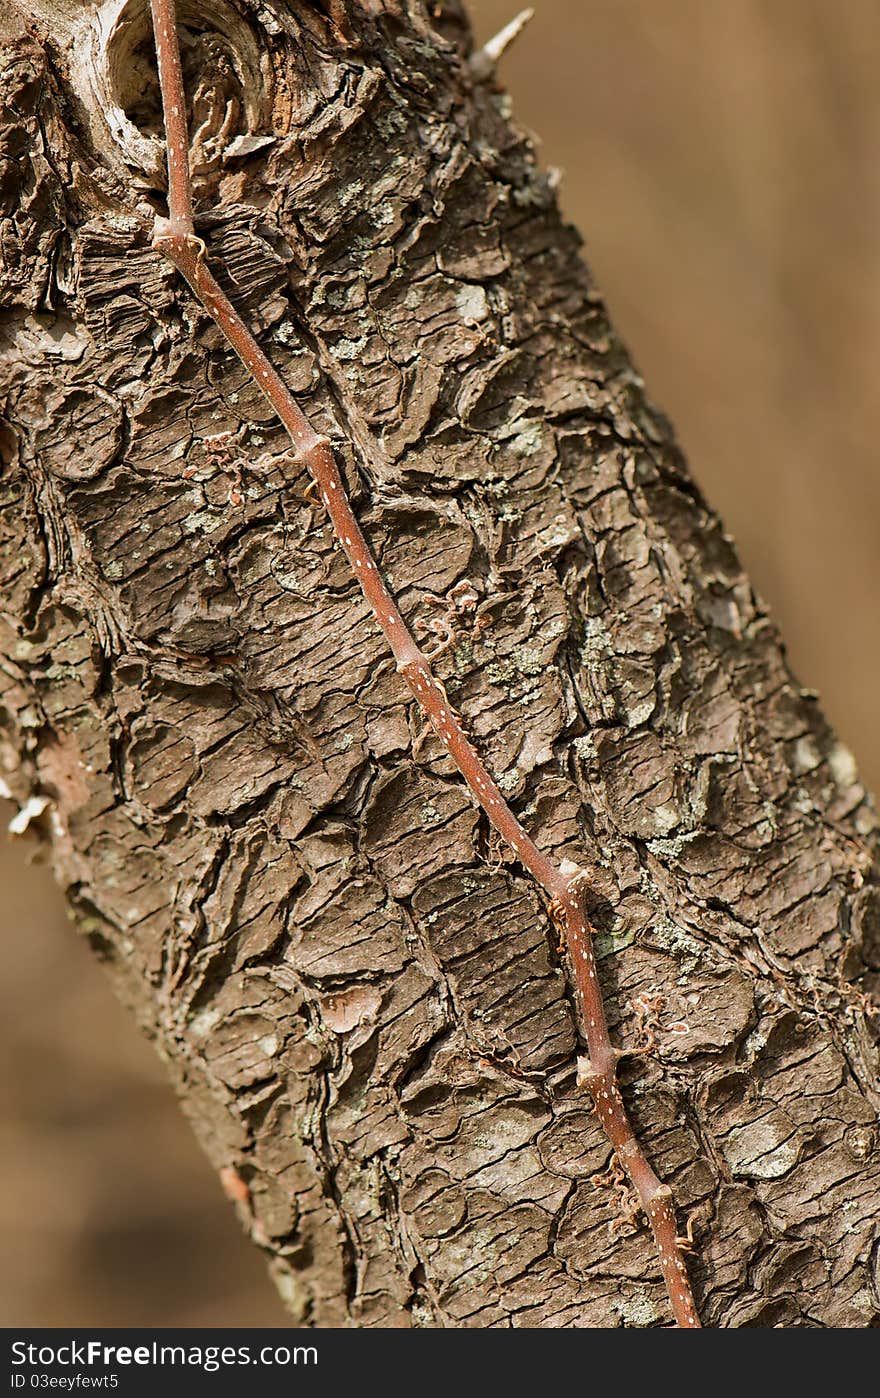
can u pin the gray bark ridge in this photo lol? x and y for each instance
(358, 995)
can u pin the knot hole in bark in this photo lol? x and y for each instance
(227, 79)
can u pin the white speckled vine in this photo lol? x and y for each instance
(564, 885)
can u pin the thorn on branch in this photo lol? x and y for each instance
(484, 62)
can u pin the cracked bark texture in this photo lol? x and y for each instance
(359, 995)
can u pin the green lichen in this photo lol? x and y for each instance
(636, 1312)
(472, 304)
(86, 926)
(529, 439)
(843, 765)
(500, 672)
(203, 521)
(610, 943)
(674, 939)
(528, 660)
(350, 349)
(62, 672)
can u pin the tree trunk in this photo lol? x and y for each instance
(358, 994)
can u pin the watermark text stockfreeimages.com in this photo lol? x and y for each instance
(210, 1358)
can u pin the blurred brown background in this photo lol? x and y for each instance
(723, 162)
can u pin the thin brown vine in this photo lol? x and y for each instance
(564, 885)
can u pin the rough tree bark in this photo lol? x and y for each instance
(358, 995)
